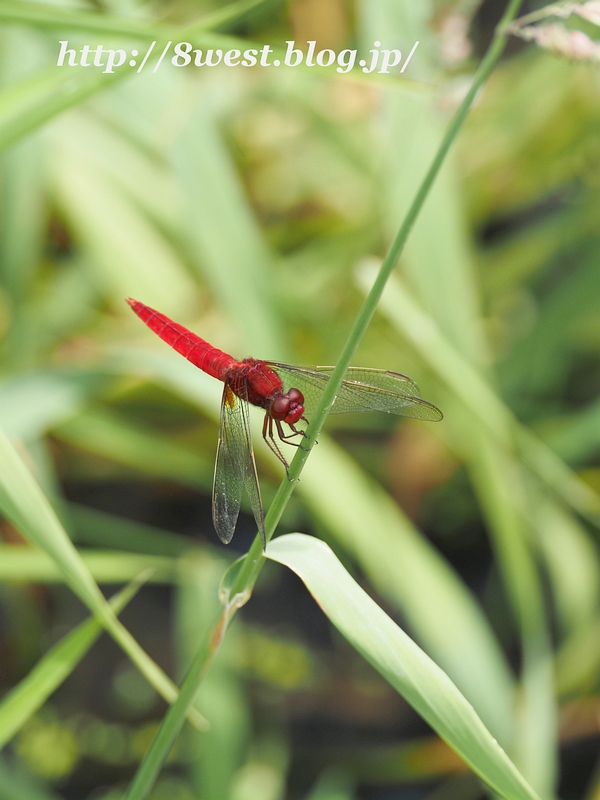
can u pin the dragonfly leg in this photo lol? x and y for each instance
(285, 436)
(283, 439)
(296, 433)
(267, 433)
(304, 432)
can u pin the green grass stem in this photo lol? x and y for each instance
(247, 572)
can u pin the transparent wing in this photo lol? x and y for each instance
(235, 468)
(363, 389)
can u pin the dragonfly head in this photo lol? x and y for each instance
(288, 407)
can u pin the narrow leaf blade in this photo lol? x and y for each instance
(55, 666)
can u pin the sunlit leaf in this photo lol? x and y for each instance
(420, 681)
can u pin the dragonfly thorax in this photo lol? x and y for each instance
(288, 407)
(256, 382)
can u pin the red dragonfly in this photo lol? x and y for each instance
(285, 393)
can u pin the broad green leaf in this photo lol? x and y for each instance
(405, 568)
(485, 430)
(54, 667)
(409, 670)
(490, 433)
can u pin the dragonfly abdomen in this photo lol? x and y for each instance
(203, 355)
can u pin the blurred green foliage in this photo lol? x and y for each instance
(251, 206)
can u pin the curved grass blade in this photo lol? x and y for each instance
(476, 394)
(50, 18)
(409, 670)
(18, 563)
(101, 432)
(27, 105)
(55, 666)
(96, 528)
(24, 504)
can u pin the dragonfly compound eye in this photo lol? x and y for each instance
(296, 408)
(280, 407)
